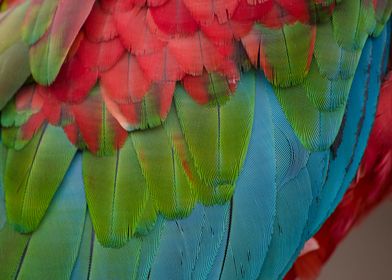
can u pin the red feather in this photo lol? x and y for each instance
(100, 25)
(125, 82)
(174, 18)
(74, 82)
(100, 56)
(135, 33)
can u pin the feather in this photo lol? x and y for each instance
(81, 267)
(294, 196)
(60, 23)
(220, 123)
(99, 130)
(3, 217)
(111, 182)
(167, 181)
(166, 175)
(38, 19)
(61, 231)
(12, 249)
(132, 261)
(173, 17)
(28, 187)
(255, 197)
(371, 186)
(188, 247)
(14, 65)
(14, 70)
(373, 86)
(285, 61)
(350, 146)
(38, 255)
(205, 11)
(353, 21)
(293, 202)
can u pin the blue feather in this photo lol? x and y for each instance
(356, 128)
(133, 261)
(373, 89)
(189, 247)
(254, 199)
(294, 194)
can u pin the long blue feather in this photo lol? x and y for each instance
(294, 194)
(317, 169)
(254, 199)
(358, 119)
(189, 247)
(373, 89)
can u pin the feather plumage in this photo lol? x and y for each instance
(195, 164)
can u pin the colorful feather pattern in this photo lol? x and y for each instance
(207, 139)
(371, 186)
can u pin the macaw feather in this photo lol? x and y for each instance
(40, 255)
(138, 51)
(212, 139)
(14, 62)
(171, 170)
(50, 29)
(29, 185)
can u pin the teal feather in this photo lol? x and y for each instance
(129, 262)
(345, 154)
(371, 88)
(325, 188)
(294, 195)
(189, 247)
(255, 196)
(132, 261)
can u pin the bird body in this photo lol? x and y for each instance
(178, 139)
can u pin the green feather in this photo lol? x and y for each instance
(315, 129)
(12, 248)
(38, 20)
(14, 61)
(315, 107)
(353, 21)
(29, 184)
(217, 137)
(14, 70)
(286, 52)
(81, 267)
(52, 43)
(383, 12)
(326, 95)
(196, 156)
(3, 157)
(148, 219)
(166, 179)
(150, 116)
(116, 194)
(53, 247)
(10, 23)
(332, 60)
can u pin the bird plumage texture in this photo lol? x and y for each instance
(179, 139)
(371, 186)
